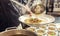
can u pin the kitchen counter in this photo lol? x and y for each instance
(56, 15)
(57, 20)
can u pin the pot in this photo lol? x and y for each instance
(16, 32)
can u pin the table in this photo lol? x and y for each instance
(57, 19)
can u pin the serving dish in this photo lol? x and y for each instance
(44, 19)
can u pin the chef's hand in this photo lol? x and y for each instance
(29, 10)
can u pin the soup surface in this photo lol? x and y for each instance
(33, 21)
(19, 35)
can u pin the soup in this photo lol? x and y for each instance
(33, 21)
(19, 35)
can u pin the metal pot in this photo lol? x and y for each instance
(17, 32)
(38, 9)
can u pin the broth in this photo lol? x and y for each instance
(19, 35)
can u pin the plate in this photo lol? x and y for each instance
(46, 30)
(45, 18)
(58, 26)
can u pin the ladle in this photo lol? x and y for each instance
(26, 7)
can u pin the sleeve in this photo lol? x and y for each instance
(8, 15)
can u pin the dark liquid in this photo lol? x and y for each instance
(19, 35)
